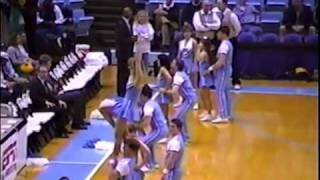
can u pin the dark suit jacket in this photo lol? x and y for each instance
(124, 45)
(305, 18)
(39, 95)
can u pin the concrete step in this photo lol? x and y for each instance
(105, 17)
(104, 25)
(103, 9)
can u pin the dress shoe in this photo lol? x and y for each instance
(64, 136)
(80, 127)
(87, 123)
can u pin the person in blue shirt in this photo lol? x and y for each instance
(154, 118)
(222, 71)
(182, 86)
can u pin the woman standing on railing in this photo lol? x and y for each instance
(143, 32)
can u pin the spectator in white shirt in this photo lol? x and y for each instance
(230, 19)
(206, 21)
(144, 32)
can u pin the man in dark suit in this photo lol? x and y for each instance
(298, 18)
(44, 100)
(124, 49)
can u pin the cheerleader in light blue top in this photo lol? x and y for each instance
(182, 86)
(128, 167)
(205, 58)
(125, 110)
(186, 53)
(163, 80)
(154, 118)
(222, 70)
(174, 152)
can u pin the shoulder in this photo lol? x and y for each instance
(178, 78)
(174, 145)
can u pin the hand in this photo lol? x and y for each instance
(62, 104)
(11, 84)
(162, 90)
(50, 104)
(207, 72)
(134, 38)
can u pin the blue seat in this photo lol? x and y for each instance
(293, 39)
(82, 23)
(247, 37)
(251, 2)
(245, 57)
(294, 54)
(176, 1)
(310, 56)
(277, 2)
(311, 3)
(73, 4)
(271, 17)
(311, 39)
(272, 62)
(269, 38)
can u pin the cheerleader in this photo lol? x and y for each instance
(144, 33)
(205, 59)
(182, 87)
(153, 119)
(127, 167)
(222, 70)
(126, 109)
(174, 152)
(186, 53)
(163, 80)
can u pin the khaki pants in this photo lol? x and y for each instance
(163, 26)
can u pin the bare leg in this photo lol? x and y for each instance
(107, 116)
(120, 130)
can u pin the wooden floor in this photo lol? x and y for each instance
(272, 138)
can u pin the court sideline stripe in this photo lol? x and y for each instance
(97, 167)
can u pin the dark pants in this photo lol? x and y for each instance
(6, 96)
(122, 76)
(76, 105)
(61, 118)
(30, 20)
(235, 67)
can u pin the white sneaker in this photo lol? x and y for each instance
(163, 141)
(145, 169)
(219, 120)
(203, 114)
(179, 102)
(156, 166)
(237, 87)
(207, 117)
(196, 106)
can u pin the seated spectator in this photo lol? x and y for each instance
(18, 54)
(45, 60)
(189, 10)
(44, 100)
(9, 71)
(11, 88)
(247, 14)
(166, 21)
(297, 18)
(206, 21)
(49, 18)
